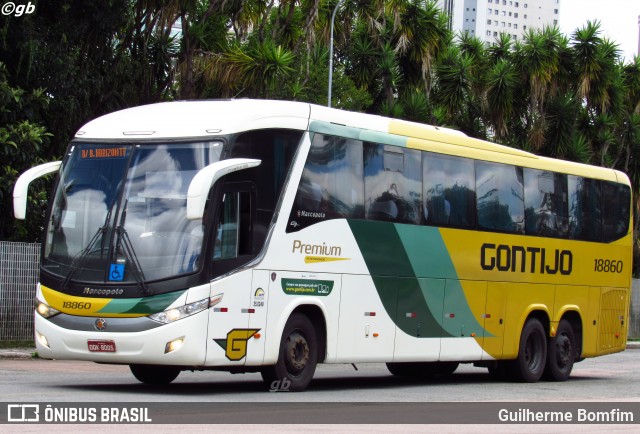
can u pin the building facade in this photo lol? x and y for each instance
(486, 19)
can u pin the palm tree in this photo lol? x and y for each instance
(500, 101)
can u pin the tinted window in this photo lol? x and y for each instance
(449, 196)
(500, 193)
(616, 200)
(585, 216)
(546, 209)
(332, 183)
(392, 183)
(275, 149)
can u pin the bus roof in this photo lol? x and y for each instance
(209, 118)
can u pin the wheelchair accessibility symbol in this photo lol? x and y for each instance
(116, 272)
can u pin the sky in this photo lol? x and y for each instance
(618, 19)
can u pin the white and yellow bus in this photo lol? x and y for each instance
(269, 236)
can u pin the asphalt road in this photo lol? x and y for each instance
(609, 378)
(336, 392)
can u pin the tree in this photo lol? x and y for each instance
(21, 138)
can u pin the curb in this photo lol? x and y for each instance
(17, 353)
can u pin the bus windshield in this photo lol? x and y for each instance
(119, 213)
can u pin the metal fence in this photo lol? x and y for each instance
(19, 276)
(18, 279)
(634, 311)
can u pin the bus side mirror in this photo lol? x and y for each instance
(22, 186)
(203, 181)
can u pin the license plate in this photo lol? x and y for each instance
(102, 346)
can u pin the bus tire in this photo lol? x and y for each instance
(422, 369)
(532, 353)
(154, 374)
(561, 353)
(297, 357)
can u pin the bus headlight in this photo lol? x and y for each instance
(45, 310)
(177, 313)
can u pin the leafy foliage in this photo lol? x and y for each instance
(564, 96)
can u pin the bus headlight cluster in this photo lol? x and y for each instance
(177, 313)
(45, 310)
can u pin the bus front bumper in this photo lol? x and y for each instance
(181, 343)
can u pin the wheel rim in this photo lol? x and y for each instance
(564, 350)
(297, 350)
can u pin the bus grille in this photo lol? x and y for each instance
(613, 320)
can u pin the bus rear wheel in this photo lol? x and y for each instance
(154, 374)
(297, 359)
(561, 353)
(532, 354)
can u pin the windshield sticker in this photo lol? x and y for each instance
(116, 272)
(307, 287)
(119, 152)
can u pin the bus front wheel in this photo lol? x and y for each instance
(297, 357)
(532, 354)
(561, 353)
(154, 374)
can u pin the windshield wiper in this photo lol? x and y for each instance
(80, 259)
(123, 242)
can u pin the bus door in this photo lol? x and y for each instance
(229, 329)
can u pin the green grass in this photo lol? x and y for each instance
(17, 344)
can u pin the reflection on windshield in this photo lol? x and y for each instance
(152, 181)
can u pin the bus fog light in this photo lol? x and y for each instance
(42, 339)
(174, 345)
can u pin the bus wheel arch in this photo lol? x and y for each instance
(317, 318)
(301, 347)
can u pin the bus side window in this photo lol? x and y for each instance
(331, 186)
(392, 183)
(616, 200)
(500, 197)
(448, 191)
(585, 213)
(546, 203)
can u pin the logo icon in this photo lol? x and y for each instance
(23, 413)
(101, 324)
(235, 345)
(116, 272)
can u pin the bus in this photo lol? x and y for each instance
(270, 236)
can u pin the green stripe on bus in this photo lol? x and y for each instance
(143, 306)
(403, 296)
(404, 261)
(357, 133)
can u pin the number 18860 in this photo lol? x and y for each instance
(608, 266)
